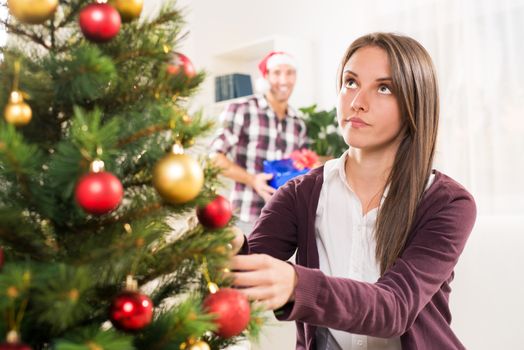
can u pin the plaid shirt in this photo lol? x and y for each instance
(250, 134)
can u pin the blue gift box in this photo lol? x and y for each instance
(282, 170)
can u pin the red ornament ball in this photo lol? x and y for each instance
(131, 311)
(180, 63)
(99, 193)
(14, 346)
(99, 22)
(13, 342)
(215, 214)
(232, 311)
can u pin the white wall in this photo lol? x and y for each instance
(487, 301)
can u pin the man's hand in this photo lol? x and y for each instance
(259, 184)
(264, 278)
(232, 170)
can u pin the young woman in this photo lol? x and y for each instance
(377, 231)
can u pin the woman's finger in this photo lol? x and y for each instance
(249, 262)
(259, 293)
(264, 297)
(250, 278)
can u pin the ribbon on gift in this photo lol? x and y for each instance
(304, 159)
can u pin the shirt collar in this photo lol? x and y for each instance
(263, 104)
(338, 167)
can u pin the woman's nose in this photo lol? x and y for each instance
(359, 102)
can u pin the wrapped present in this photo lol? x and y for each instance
(299, 163)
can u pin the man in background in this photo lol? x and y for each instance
(258, 128)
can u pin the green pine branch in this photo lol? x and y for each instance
(115, 102)
(90, 338)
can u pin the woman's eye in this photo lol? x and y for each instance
(384, 89)
(350, 84)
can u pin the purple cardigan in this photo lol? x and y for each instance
(410, 300)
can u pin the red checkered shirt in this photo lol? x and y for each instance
(250, 134)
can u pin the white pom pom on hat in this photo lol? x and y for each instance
(271, 60)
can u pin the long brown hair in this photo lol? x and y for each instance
(415, 87)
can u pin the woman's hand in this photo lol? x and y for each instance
(264, 278)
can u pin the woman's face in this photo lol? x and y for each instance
(368, 112)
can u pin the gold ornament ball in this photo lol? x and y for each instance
(17, 112)
(200, 345)
(178, 178)
(32, 11)
(128, 9)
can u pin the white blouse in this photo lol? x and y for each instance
(346, 244)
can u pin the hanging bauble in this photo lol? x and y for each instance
(32, 11)
(17, 112)
(128, 9)
(1, 258)
(200, 345)
(14, 346)
(131, 310)
(215, 214)
(99, 22)
(98, 192)
(13, 343)
(180, 63)
(231, 309)
(177, 177)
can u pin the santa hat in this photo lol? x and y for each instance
(271, 60)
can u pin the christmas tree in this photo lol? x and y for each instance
(93, 168)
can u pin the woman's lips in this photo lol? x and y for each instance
(357, 123)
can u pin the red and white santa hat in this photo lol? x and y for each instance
(275, 58)
(270, 61)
